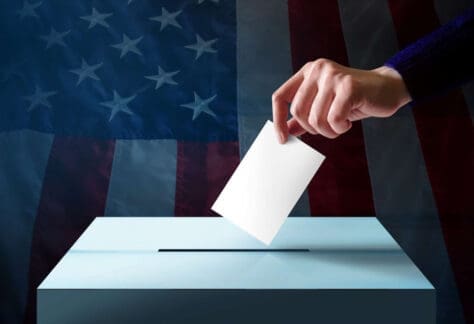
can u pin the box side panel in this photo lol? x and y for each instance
(236, 306)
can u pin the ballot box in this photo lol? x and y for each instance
(206, 270)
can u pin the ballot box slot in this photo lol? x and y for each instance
(233, 250)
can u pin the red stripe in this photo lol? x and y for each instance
(74, 193)
(342, 185)
(202, 172)
(446, 136)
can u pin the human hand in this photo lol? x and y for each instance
(327, 97)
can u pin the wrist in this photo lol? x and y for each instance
(397, 84)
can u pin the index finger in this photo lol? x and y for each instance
(281, 98)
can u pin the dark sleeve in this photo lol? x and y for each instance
(439, 61)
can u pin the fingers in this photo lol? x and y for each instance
(318, 117)
(301, 105)
(337, 120)
(338, 115)
(325, 99)
(280, 100)
(294, 128)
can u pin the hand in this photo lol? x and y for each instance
(326, 98)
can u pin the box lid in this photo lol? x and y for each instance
(211, 253)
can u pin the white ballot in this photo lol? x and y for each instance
(267, 184)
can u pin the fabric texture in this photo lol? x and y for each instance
(439, 61)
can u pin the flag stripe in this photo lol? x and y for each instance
(23, 158)
(202, 171)
(74, 193)
(446, 135)
(342, 185)
(143, 179)
(403, 197)
(257, 75)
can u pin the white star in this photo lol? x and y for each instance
(202, 46)
(128, 45)
(199, 105)
(28, 9)
(97, 18)
(201, 1)
(118, 104)
(39, 98)
(163, 77)
(86, 71)
(167, 18)
(55, 38)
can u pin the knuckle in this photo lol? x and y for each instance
(307, 68)
(308, 71)
(295, 111)
(335, 117)
(307, 65)
(312, 121)
(311, 70)
(276, 96)
(323, 68)
(320, 63)
(330, 69)
(320, 124)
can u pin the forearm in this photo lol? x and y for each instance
(441, 60)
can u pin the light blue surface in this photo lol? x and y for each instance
(345, 253)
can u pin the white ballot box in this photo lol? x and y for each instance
(206, 270)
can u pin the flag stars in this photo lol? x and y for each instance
(119, 104)
(202, 46)
(200, 105)
(163, 78)
(55, 38)
(128, 45)
(86, 71)
(167, 18)
(39, 98)
(28, 9)
(97, 18)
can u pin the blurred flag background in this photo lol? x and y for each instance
(145, 108)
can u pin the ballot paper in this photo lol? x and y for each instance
(268, 182)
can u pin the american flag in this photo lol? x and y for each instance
(145, 108)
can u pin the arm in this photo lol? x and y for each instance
(326, 97)
(439, 61)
